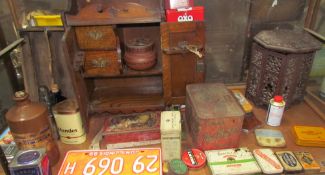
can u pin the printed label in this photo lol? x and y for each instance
(289, 159)
(33, 140)
(274, 115)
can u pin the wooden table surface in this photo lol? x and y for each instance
(300, 114)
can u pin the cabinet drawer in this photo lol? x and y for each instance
(102, 63)
(96, 38)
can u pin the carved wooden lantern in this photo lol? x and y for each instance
(280, 64)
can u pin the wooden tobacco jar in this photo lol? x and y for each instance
(140, 54)
(30, 127)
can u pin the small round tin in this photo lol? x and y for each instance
(194, 158)
(177, 167)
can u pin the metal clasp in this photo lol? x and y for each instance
(99, 62)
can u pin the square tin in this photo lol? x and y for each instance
(307, 162)
(268, 161)
(215, 117)
(289, 162)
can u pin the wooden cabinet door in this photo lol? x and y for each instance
(74, 66)
(181, 66)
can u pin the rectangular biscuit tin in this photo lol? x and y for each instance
(232, 162)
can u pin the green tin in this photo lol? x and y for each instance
(177, 167)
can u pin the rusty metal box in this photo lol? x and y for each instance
(215, 117)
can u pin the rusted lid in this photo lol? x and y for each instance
(289, 41)
(213, 100)
(68, 106)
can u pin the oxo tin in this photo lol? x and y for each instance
(275, 111)
(30, 162)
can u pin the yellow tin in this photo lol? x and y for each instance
(69, 123)
(309, 136)
(47, 20)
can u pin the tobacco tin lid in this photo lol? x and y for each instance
(27, 157)
(270, 138)
(292, 41)
(267, 161)
(170, 121)
(177, 166)
(307, 161)
(289, 161)
(68, 106)
(310, 133)
(232, 161)
(194, 158)
(213, 100)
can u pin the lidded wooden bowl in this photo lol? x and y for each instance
(140, 54)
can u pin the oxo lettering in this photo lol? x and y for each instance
(185, 18)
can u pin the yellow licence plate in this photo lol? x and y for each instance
(144, 161)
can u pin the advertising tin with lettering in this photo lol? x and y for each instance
(307, 162)
(275, 111)
(170, 129)
(289, 162)
(185, 14)
(267, 161)
(30, 162)
(232, 161)
(195, 159)
(69, 122)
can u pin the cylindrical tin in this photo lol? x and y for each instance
(194, 159)
(30, 162)
(69, 122)
(177, 167)
(29, 125)
(170, 129)
(275, 111)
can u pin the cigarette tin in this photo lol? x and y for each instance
(268, 161)
(170, 130)
(195, 159)
(309, 136)
(270, 138)
(307, 162)
(232, 162)
(289, 162)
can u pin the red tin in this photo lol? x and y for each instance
(215, 116)
(131, 128)
(185, 14)
(175, 4)
(194, 158)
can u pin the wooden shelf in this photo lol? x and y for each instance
(127, 104)
(117, 12)
(41, 29)
(127, 72)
